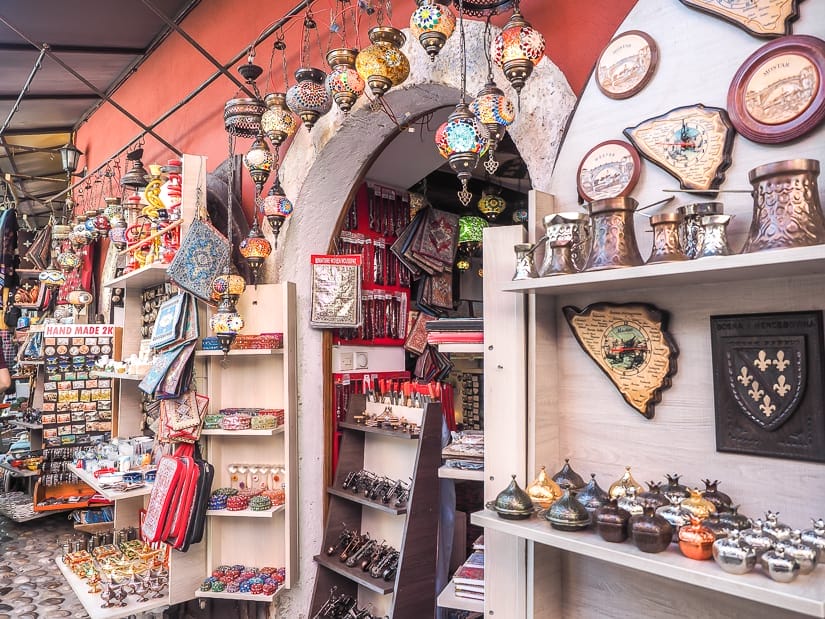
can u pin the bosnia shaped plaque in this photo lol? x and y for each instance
(692, 143)
(767, 378)
(631, 344)
(761, 18)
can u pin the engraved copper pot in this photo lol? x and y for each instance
(779, 565)
(807, 556)
(654, 495)
(567, 514)
(619, 487)
(524, 261)
(614, 236)
(650, 531)
(715, 236)
(512, 503)
(573, 227)
(786, 208)
(756, 538)
(720, 500)
(696, 540)
(697, 505)
(734, 556)
(592, 496)
(567, 476)
(692, 230)
(674, 488)
(734, 519)
(543, 491)
(779, 531)
(675, 514)
(667, 247)
(558, 258)
(816, 537)
(612, 522)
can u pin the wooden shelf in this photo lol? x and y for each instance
(246, 352)
(356, 575)
(18, 472)
(245, 513)
(360, 498)
(448, 599)
(806, 595)
(91, 601)
(27, 425)
(145, 277)
(446, 472)
(761, 265)
(468, 348)
(360, 427)
(250, 432)
(252, 597)
(112, 495)
(100, 374)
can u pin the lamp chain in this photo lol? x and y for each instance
(488, 42)
(230, 182)
(463, 51)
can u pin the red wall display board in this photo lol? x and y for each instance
(370, 227)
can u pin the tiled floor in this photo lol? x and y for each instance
(30, 585)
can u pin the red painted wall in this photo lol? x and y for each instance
(575, 32)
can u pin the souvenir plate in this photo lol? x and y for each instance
(691, 143)
(626, 65)
(608, 170)
(762, 18)
(777, 94)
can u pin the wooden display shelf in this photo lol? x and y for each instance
(245, 513)
(27, 425)
(356, 575)
(359, 498)
(145, 277)
(249, 432)
(448, 599)
(805, 595)
(112, 495)
(465, 348)
(760, 265)
(447, 472)
(374, 430)
(18, 472)
(121, 376)
(91, 601)
(251, 597)
(245, 352)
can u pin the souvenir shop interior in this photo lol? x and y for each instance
(375, 309)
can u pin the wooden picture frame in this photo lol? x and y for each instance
(610, 169)
(761, 18)
(767, 384)
(692, 143)
(626, 64)
(631, 344)
(777, 94)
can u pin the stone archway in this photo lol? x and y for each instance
(318, 174)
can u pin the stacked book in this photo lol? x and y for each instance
(468, 579)
(455, 331)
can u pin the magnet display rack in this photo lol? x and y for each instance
(412, 529)
(185, 569)
(254, 379)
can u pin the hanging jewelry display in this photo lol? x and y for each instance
(463, 139)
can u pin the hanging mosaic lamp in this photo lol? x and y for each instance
(255, 249)
(277, 122)
(226, 323)
(53, 277)
(117, 233)
(277, 207)
(242, 115)
(470, 237)
(517, 49)
(491, 205)
(496, 112)
(308, 98)
(383, 65)
(462, 140)
(258, 162)
(432, 23)
(80, 234)
(520, 216)
(79, 299)
(68, 261)
(136, 178)
(231, 284)
(343, 83)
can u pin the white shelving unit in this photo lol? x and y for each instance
(185, 569)
(466, 348)
(446, 472)
(254, 379)
(448, 599)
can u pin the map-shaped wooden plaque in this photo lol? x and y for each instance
(692, 143)
(631, 344)
(761, 18)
